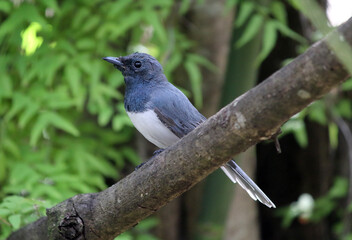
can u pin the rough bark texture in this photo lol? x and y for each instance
(251, 118)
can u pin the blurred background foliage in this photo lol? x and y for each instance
(63, 128)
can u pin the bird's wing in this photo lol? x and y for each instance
(175, 111)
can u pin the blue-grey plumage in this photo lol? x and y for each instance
(163, 114)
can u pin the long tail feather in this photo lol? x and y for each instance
(236, 174)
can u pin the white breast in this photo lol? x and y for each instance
(149, 125)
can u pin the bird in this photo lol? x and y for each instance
(163, 114)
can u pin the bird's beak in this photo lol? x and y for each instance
(116, 61)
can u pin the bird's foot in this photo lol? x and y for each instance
(157, 152)
(139, 166)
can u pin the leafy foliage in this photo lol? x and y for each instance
(267, 15)
(141, 231)
(320, 207)
(63, 128)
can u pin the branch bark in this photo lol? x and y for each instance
(251, 118)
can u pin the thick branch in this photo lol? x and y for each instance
(251, 118)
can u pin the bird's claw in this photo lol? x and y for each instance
(139, 166)
(157, 152)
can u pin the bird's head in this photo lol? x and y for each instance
(137, 67)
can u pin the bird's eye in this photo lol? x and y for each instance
(138, 64)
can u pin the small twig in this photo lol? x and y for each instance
(275, 137)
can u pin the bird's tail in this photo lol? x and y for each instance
(236, 174)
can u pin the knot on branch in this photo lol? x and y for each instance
(71, 227)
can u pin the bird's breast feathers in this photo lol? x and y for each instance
(149, 125)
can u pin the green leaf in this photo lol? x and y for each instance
(79, 17)
(301, 137)
(105, 116)
(269, 40)
(317, 113)
(173, 62)
(252, 29)
(4, 212)
(246, 8)
(51, 4)
(120, 121)
(103, 167)
(96, 181)
(279, 11)
(6, 88)
(339, 189)
(91, 23)
(5, 6)
(347, 86)
(117, 8)
(11, 147)
(295, 4)
(28, 113)
(3, 166)
(66, 46)
(47, 191)
(86, 44)
(52, 66)
(124, 236)
(323, 207)
(195, 78)
(333, 135)
(20, 101)
(230, 4)
(297, 127)
(147, 224)
(185, 4)
(344, 108)
(111, 92)
(152, 18)
(73, 78)
(146, 236)
(15, 221)
(114, 31)
(80, 164)
(202, 61)
(286, 31)
(57, 99)
(25, 12)
(37, 130)
(59, 122)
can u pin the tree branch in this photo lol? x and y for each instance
(255, 116)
